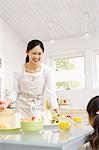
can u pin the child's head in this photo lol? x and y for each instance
(93, 108)
(93, 112)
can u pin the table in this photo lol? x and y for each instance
(50, 138)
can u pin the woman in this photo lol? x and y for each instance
(31, 80)
(93, 113)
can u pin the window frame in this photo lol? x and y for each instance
(95, 71)
(68, 55)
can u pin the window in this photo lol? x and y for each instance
(69, 72)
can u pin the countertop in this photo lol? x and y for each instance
(50, 138)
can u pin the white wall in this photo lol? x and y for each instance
(73, 44)
(78, 98)
(12, 49)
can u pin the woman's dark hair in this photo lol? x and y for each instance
(93, 110)
(31, 45)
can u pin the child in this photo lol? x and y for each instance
(93, 113)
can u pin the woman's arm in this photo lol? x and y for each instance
(12, 97)
(51, 89)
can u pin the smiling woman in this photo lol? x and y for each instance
(30, 82)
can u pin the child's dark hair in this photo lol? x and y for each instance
(93, 111)
(31, 45)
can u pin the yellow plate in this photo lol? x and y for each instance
(10, 129)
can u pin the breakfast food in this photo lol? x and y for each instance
(1, 105)
(65, 125)
(32, 124)
(4, 126)
(32, 119)
(9, 119)
(77, 119)
(55, 118)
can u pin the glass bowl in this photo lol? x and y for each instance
(29, 126)
(65, 123)
(77, 119)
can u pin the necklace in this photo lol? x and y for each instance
(33, 76)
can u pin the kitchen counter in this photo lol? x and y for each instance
(50, 138)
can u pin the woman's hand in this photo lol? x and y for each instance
(57, 111)
(8, 103)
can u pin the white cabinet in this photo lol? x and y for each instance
(1, 77)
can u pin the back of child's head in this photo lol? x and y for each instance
(94, 138)
(93, 112)
(93, 106)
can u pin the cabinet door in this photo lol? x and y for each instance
(1, 77)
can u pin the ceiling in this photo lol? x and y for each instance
(43, 19)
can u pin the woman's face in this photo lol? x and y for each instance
(35, 55)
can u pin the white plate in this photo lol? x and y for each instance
(51, 124)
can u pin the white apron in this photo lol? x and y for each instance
(30, 97)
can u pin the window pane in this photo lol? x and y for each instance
(69, 72)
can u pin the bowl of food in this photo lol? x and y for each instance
(65, 123)
(77, 119)
(33, 124)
